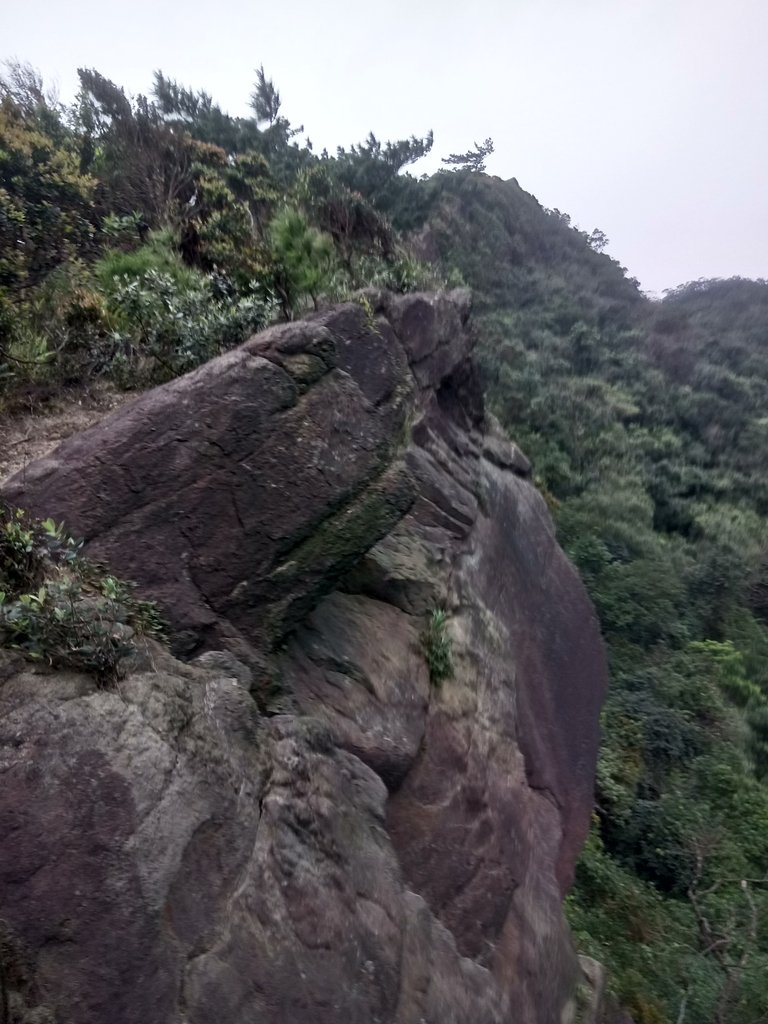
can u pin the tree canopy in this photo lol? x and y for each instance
(473, 159)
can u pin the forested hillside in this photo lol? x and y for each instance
(646, 423)
(139, 237)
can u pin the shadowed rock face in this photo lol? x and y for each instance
(393, 850)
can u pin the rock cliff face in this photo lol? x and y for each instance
(386, 849)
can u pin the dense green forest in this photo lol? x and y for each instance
(139, 237)
(646, 423)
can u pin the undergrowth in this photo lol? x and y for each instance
(61, 609)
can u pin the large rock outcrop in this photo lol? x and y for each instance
(386, 849)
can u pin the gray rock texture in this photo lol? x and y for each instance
(388, 849)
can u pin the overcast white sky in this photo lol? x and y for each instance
(645, 118)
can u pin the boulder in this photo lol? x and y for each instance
(391, 847)
(170, 856)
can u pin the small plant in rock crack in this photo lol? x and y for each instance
(437, 646)
(59, 608)
(367, 307)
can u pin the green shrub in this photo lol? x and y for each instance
(59, 608)
(304, 260)
(165, 330)
(437, 647)
(146, 326)
(24, 354)
(127, 229)
(46, 204)
(403, 273)
(407, 274)
(159, 255)
(57, 333)
(23, 351)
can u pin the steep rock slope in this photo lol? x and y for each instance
(388, 849)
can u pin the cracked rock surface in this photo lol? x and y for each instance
(389, 849)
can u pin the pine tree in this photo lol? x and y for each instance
(473, 159)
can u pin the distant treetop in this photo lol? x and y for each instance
(473, 159)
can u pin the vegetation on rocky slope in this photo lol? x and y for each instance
(140, 237)
(61, 609)
(645, 423)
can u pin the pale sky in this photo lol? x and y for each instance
(645, 118)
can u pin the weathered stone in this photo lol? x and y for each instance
(507, 455)
(228, 665)
(589, 995)
(168, 856)
(401, 570)
(356, 665)
(430, 328)
(499, 449)
(232, 496)
(394, 849)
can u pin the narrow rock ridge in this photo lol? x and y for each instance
(391, 850)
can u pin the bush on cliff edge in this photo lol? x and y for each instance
(58, 608)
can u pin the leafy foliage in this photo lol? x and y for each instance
(164, 331)
(145, 163)
(644, 424)
(141, 235)
(375, 170)
(58, 608)
(304, 259)
(158, 254)
(437, 646)
(46, 204)
(265, 99)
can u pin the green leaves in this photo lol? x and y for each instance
(645, 425)
(304, 259)
(60, 609)
(46, 204)
(169, 330)
(473, 160)
(437, 646)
